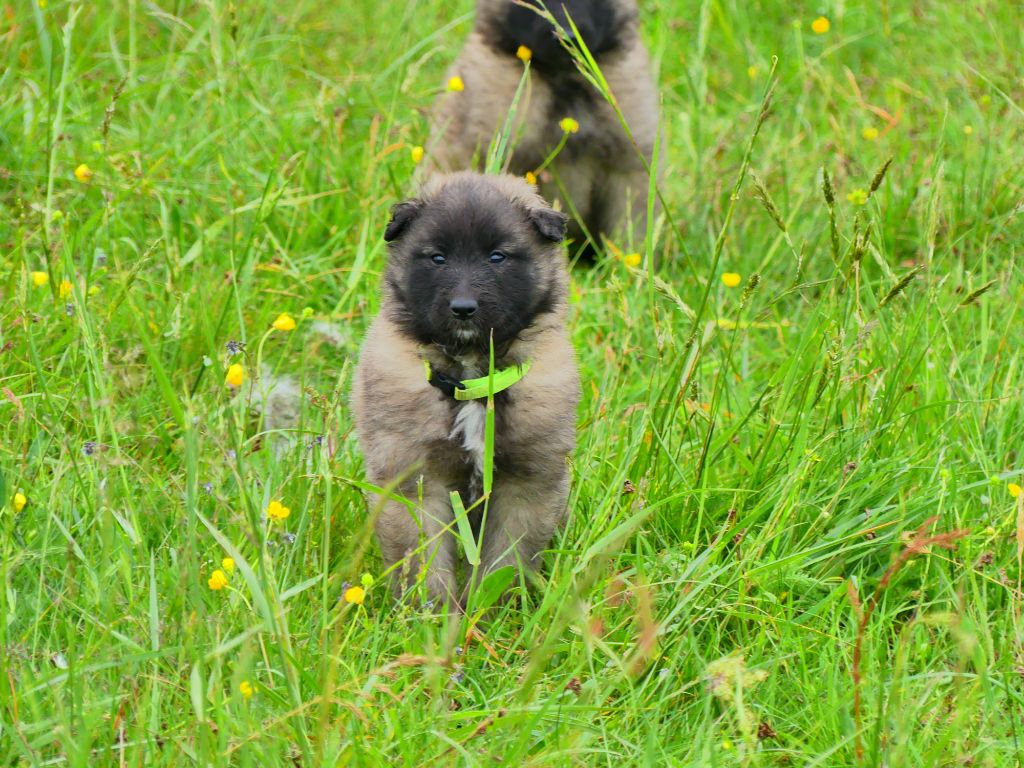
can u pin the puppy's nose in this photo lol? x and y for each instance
(462, 307)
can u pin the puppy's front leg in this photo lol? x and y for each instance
(621, 206)
(425, 544)
(523, 515)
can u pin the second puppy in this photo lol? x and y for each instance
(471, 258)
(598, 176)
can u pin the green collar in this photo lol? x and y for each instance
(474, 389)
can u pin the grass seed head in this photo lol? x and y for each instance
(876, 182)
(761, 193)
(826, 188)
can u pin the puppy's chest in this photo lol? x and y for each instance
(467, 432)
(469, 425)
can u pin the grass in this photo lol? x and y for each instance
(753, 462)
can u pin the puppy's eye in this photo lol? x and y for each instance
(497, 257)
(437, 258)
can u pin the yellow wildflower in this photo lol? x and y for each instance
(531, 178)
(236, 375)
(247, 689)
(869, 132)
(39, 279)
(455, 84)
(524, 54)
(277, 511)
(731, 279)
(355, 595)
(726, 745)
(218, 580)
(968, 130)
(1013, 488)
(569, 125)
(228, 564)
(857, 197)
(65, 289)
(820, 25)
(284, 322)
(632, 259)
(83, 173)
(20, 501)
(416, 153)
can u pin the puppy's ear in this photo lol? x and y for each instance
(551, 224)
(402, 214)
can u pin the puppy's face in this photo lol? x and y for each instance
(468, 260)
(508, 25)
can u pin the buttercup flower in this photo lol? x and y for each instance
(820, 25)
(569, 125)
(870, 133)
(355, 595)
(246, 689)
(455, 84)
(218, 580)
(524, 54)
(857, 197)
(1013, 488)
(277, 511)
(531, 178)
(65, 289)
(83, 173)
(20, 501)
(416, 153)
(39, 279)
(632, 259)
(228, 564)
(236, 375)
(284, 322)
(731, 279)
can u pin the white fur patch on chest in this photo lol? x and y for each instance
(469, 428)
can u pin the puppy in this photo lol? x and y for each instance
(598, 175)
(473, 258)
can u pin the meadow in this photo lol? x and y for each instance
(797, 527)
